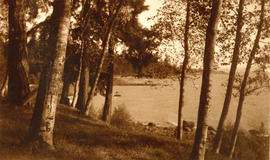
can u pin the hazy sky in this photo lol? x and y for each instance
(153, 6)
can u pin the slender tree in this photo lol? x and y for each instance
(18, 82)
(219, 134)
(199, 145)
(244, 82)
(109, 84)
(183, 72)
(103, 54)
(50, 85)
(77, 84)
(84, 83)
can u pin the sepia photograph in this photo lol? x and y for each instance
(134, 79)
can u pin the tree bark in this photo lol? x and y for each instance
(64, 96)
(18, 68)
(183, 72)
(81, 86)
(77, 84)
(4, 87)
(50, 85)
(198, 150)
(103, 55)
(106, 116)
(84, 85)
(244, 82)
(219, 134)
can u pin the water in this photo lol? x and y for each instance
(159, 104)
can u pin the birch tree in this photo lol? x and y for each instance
(106, 115)
(50, 85)
(218, 137)
(105, 42)
(244, 82)
(183, 72)
(198, 150)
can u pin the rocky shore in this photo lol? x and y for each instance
(189, 129)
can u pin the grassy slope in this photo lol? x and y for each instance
(78, 137)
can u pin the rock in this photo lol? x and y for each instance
(211, 130)
(187, 129)
(117, 94)
(254, 132)
(151, 124)
(188, 126)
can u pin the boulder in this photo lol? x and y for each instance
(188, 126)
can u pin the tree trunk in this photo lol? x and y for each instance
(42, 123)
(198, 150)
(103, 55)
(18, 82)
(244, 82)
(64, 96)
(183, 72)
(4, 86)
(83, 87)
(106, 116)
(77, 83)
(219, 134)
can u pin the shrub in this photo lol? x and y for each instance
(121, 117)
(247, 147)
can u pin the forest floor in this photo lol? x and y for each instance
(77, 137)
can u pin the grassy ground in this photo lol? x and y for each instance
(80, 138)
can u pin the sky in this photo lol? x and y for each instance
(153, 6)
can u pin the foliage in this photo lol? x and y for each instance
(161, 69)
(226, 33)
(256, 83)
(247, 146)
(170, 26)
(121, 117)
(154, 69)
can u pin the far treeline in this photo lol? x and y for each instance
(85, 43)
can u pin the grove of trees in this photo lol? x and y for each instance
(78, 42)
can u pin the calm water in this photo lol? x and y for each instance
(159, 104)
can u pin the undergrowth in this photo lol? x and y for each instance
(78, 137)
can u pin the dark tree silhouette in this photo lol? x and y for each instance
(18, 68)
